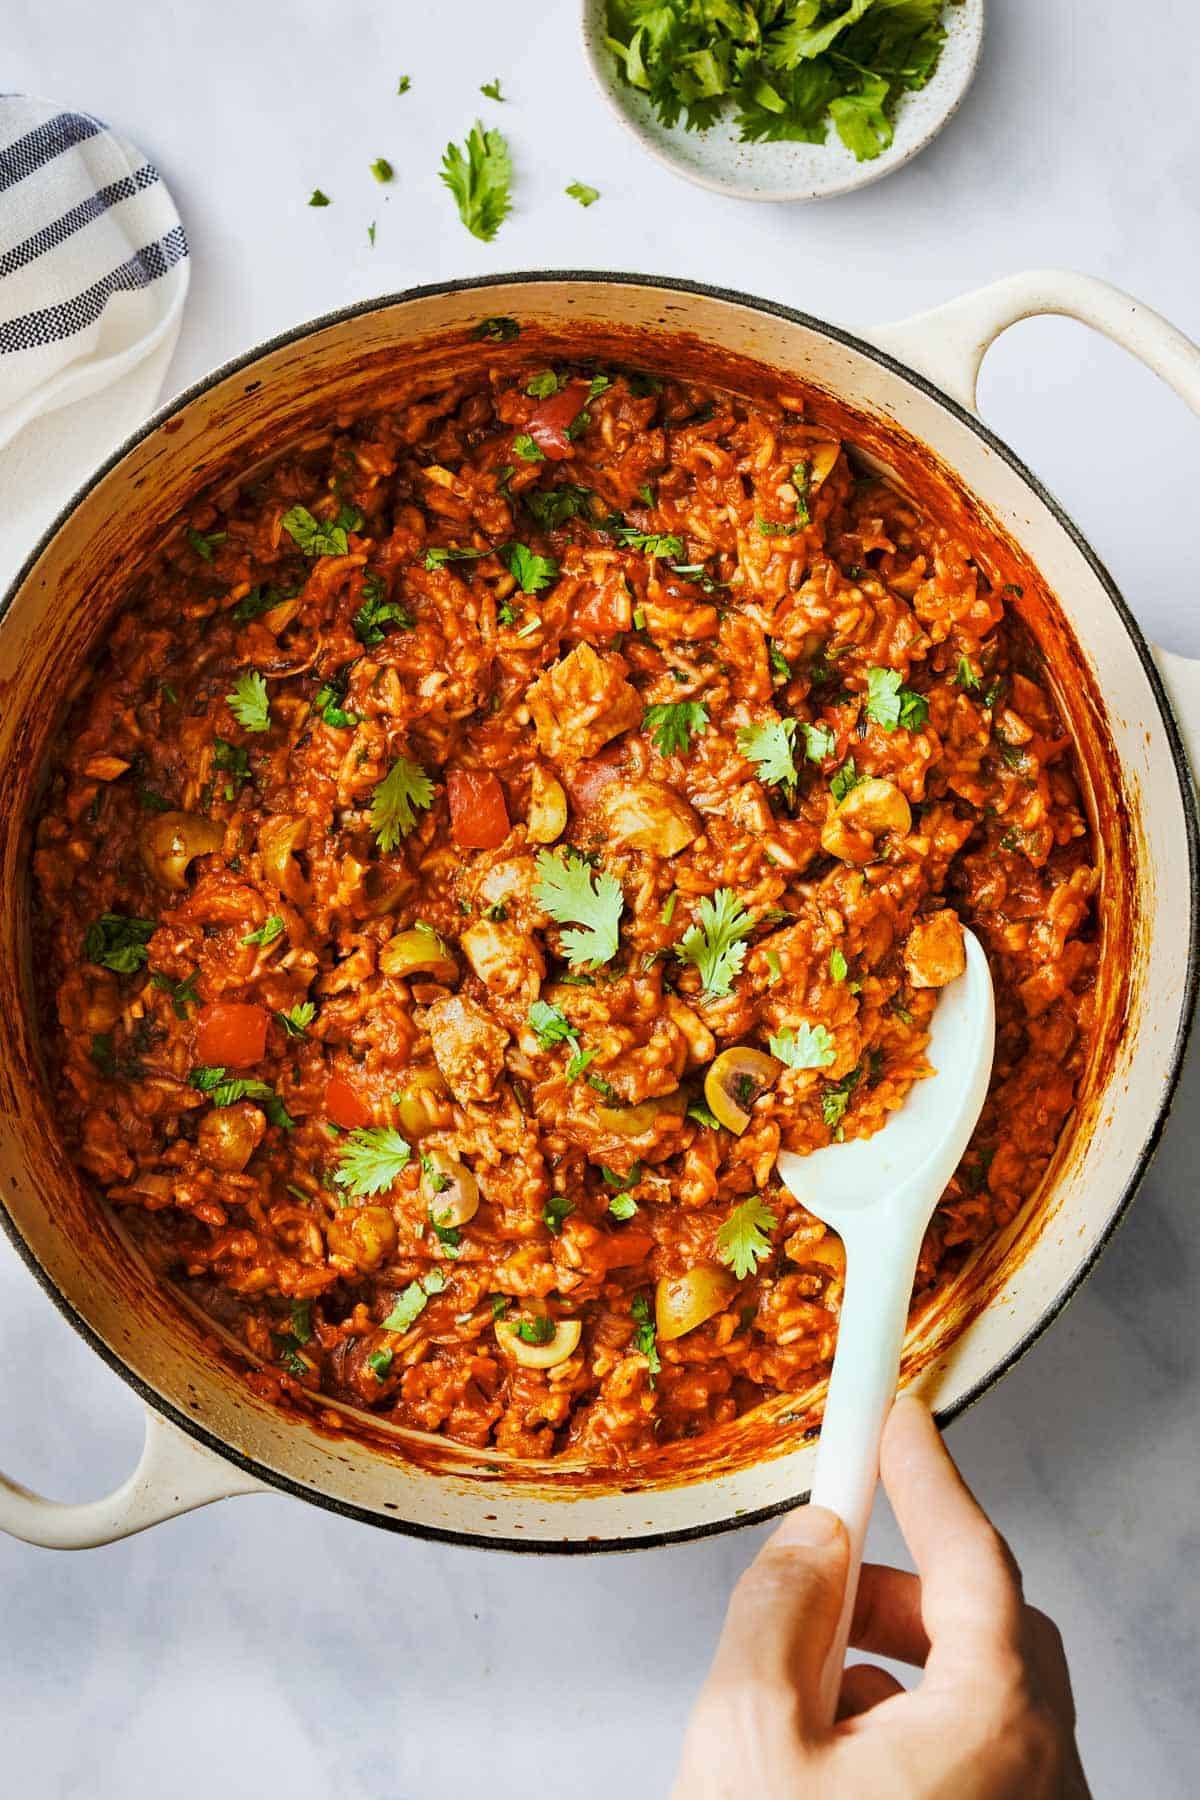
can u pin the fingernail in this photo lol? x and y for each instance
(813, 1527)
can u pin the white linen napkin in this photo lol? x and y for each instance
(93, 275)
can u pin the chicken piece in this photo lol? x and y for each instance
(468, 1047)
(645, 815)
(580, 703)
(934, 953)
(504, 957)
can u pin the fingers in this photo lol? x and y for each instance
(863, 1687)
(970, 1584)
(887, 1615)
(784, 1611)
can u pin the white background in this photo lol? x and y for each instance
(263, 1646)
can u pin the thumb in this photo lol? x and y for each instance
(785, 1609)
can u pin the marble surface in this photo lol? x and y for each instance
(262, 1645)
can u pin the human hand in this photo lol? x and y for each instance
(992, 1717)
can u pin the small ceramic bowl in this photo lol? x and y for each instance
(718, 159)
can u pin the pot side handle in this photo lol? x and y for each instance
(948, 345)
(174, 1475)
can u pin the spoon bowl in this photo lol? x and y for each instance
(879, 1194)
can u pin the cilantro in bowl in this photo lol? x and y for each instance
(786, 69)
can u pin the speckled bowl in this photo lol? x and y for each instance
(717, 158)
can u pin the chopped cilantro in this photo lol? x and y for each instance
(319, 538)
(673, 723)
(772, 746)
(565, 890)
(843, 779)
(249, 702)
(372, 1160)
(526, 449)
(555, 1212)
(579, 190)
(116, 941)
(622, 1207)
(652, 543)
(382, 169)
(405, 786)
(496, 331)
(645, 1337)
(836, 1099)
(741, 1240)
(552, 507)
(491, 89)
(890, 704)
(714, 944)
(819, 742)
(538, 1328)
(268, 931)
(808, 1047)
(838, 967)
(297, 1019)
(319, 199)
(531, 573)
(183, 993)
(204, 542)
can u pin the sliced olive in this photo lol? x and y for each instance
(418, 951)
(681, 1302)
(632, 1121)
(547, 808)
(555, 1350)
(228, 1136)
(450, 1190)
(422, 1103)
(168, 841)
(363, 1235)
(735, 1081)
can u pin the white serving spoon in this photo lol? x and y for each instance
(878, 1194)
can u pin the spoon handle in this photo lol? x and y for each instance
(880, 1265)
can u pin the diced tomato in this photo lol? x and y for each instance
(549, 423)
(626, 1249)
(588, 780)
(478, 814)
(344, 1106)
(606, 611)
(231, 1035)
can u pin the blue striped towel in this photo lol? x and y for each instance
(93, 262)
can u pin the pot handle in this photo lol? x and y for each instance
(948, 344)
(174, 1475)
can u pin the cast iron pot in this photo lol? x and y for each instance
(907, 396)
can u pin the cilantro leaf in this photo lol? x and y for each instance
(579, 190)
(741, 1243)
(315, 538)
(819, 742)
(249, 702)
(838, 966)
(319, 199)
(526, 449)
(118, 942)
(714, 944)
(673, 724)
(268, 931)
(836, 1099)
(223, 1089)
(409, 1307)
(204, 542)
(890, 704)
(491, 89)
(539, 1328)
(372, 619)
(555, 1212)
(772, 746)
(843, 779)
(480, 181)
(622, 1207)
(565, 890)
(550, 1024)
(652, 543)
(405, 786)
(861, 120)
(372, 1160)
(404, 83)
(382, 169)
(496, 331)
(645, 1337)
(183, 993)
(966, 677)
(297, 1019)
(531, 572)
(808, 1047)
(553, 506)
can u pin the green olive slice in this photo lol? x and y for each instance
(634, 1121)
(418, 951)
(168, 841)
(450, 1190)
(556, 1350)
(681, 1302)
(734, 1082)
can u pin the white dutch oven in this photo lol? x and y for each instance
(908, 394)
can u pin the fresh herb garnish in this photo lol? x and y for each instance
(622, 1207)
(480, 181)
(268, 931)
(538, 1328)
(552, 507)
(382, 169)
(579, 190)
(531, 572)
(890, 704)
(319, 199)
(496, 331)
(741, 1240)
(377, 614)
(836, 1099)
(838, 966)
(116, 941)
(714, 943)
(565, 890)
(405, 786)
(819, 742)
(772, 746)
(808, 1047)
(297, 1019)
(438, 555)
(318, 538)
(652, 543)
(491, 89)
(223, 1089)
(183, 993)
(413, 1301)
(526, 449)
(204, 543)
(843, 779)
(645, 1338)
(249, 701)
(372, 1160)
(556, 1210)
(550, 1025)
(673, 724)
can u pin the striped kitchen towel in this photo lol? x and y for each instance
(93, 276)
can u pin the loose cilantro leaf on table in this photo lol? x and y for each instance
(741, 1243)
(573, 893)
(319, 199)
(404, 83)
(772, 746)
(579, 190)
(808, 1047)
(405, 786)
(491, 89)
(372, 1160)
(673, 724)
(714, 943)
(480, 180)
(889, 703)
(118, 942)
(382, 169)
(249, 701)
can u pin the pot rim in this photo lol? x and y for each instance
(792, 315)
